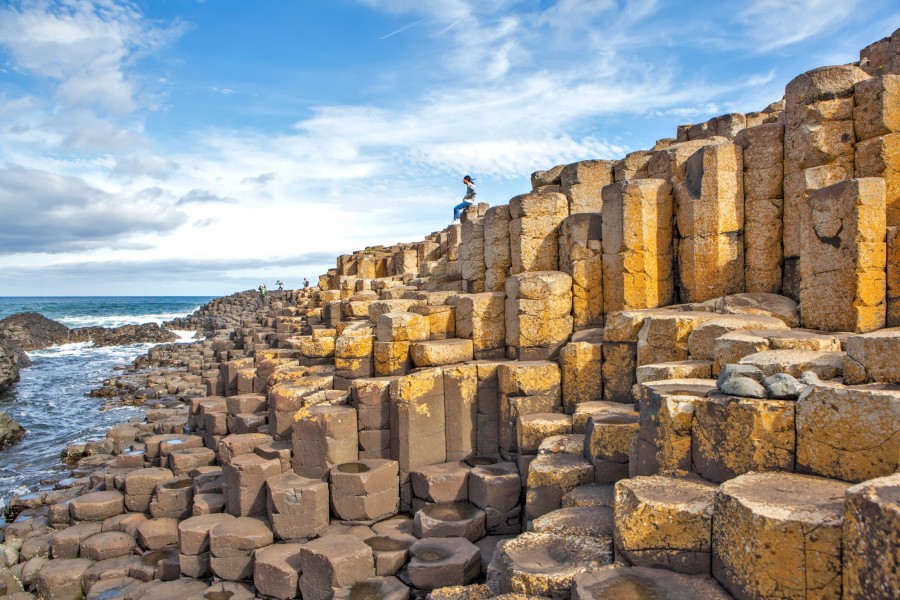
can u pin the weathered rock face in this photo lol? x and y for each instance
(10, 431)
(33, 331)
(9, 366)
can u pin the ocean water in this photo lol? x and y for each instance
(49, 400)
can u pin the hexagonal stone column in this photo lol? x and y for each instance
(872, 530)
(418, 425)
(297, 507)
(480, 317)
(193, 543)
(607, 442)
(550, 477)
(365, 490)
(276, 571)
(665, 522)
(244, 484)
(334, 561)
(637, 244)
(619, 581)
(442, 562)
(446, 482)
(387, 588)
(139, 486)
(232, 544)
(97, 506)
(497, 489)
(770, 527)
(545, 564)
(532, 429)
(848, 433)
(324, 436)
(62, 578)
(173, 499)
(732, 435)
(450, 519)
(538, 314)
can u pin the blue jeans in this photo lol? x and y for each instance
(459, 208)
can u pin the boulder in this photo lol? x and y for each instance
(10, 431)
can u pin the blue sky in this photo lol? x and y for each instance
(184, 147)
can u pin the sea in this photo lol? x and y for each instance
(49, 400)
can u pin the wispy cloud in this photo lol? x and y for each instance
(776, 23)
(401, 30)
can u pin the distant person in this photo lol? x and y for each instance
(305, 283)
(280, 285)
(468, 199)
(262, 292)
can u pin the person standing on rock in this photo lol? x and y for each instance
(468, 199)
(305, 283)
(262, 293)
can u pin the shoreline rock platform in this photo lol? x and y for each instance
(670, 376)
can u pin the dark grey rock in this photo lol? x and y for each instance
(783, 386)
(734, 370)
(33, 331)
(10, 431)
(743, 387)
(809, 378)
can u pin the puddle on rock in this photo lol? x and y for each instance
(626, 587)
(431, 554)
(386, 544)
(354, 467)
(450, 511)
(365, 590)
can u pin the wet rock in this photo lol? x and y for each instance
(10, 431)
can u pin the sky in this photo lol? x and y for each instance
(185, 147)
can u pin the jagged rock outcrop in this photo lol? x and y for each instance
(10, 431)
(148, 333)
(33, 331)
(9, 366)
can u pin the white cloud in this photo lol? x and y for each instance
(47, 212)
(776, 23)
(82, 45)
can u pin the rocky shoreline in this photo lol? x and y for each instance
(605, 389)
